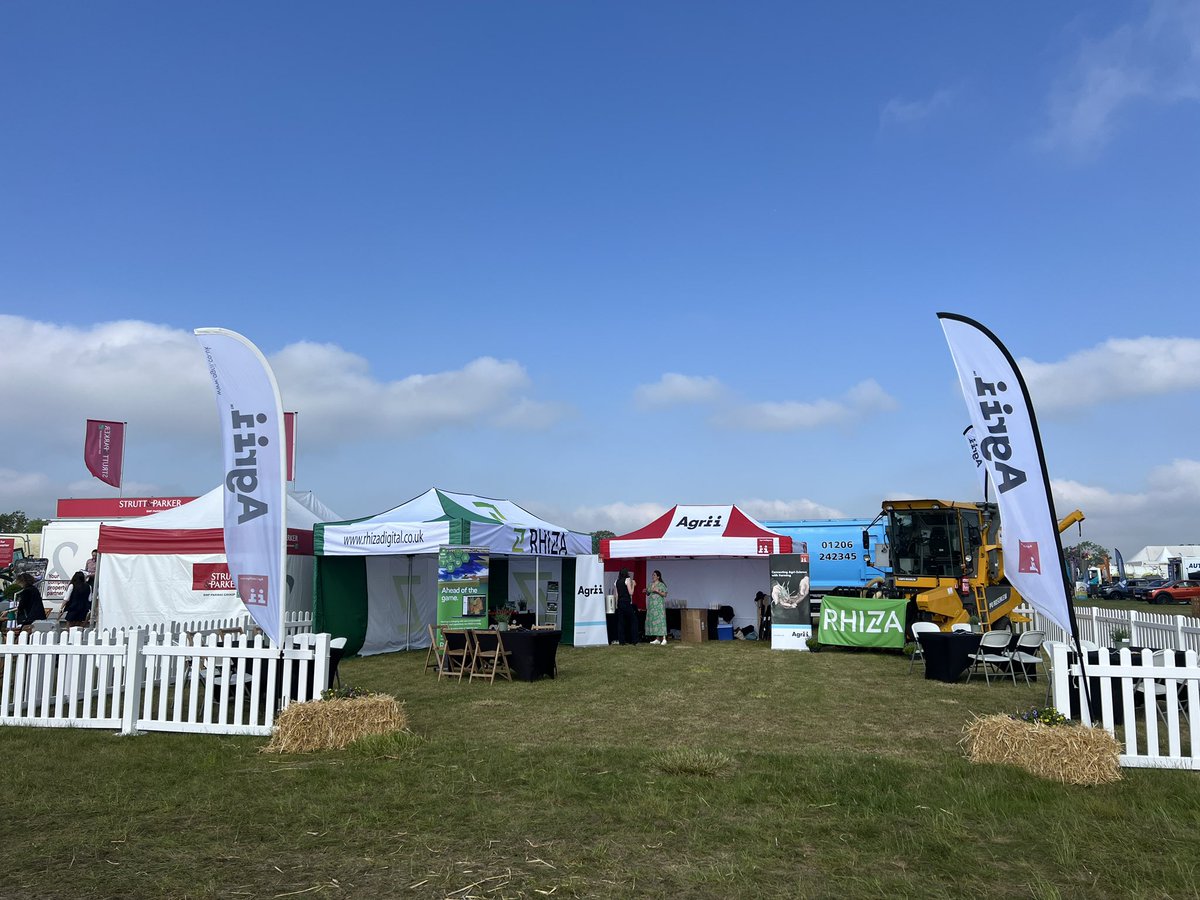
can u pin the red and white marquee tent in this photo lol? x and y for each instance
(171, 566)
(708, 555)
(698, 531)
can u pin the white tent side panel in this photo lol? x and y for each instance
(159, 589)
(401, 602)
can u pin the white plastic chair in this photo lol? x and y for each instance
(1028, 651)
(960, 628)
(918, 629)
(993, 651)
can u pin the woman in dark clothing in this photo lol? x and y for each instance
(78, 601)
(627, 628)
(29, 602)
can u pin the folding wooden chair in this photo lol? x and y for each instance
(457, 653)
(434, 658)
(490, 658)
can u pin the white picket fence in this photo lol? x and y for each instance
(1168, 693)
(204, 680)
(1160, 630)
(1150, 708)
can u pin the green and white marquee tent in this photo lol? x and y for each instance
(376, 578)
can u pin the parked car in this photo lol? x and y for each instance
(1142, 591)
(1175, 592)
(1114, 590)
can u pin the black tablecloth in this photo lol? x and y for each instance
(533, 653)
(946, 653)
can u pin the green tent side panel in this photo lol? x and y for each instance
(340, 599)
(460, 532)
(566, 601)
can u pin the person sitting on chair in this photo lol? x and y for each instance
(29, 602)
(77, 601)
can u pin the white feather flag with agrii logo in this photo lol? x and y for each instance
(1011, 451)
(253, 452)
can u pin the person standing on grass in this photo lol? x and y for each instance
(627, 630)
(656, 610)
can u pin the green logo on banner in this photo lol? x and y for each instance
(855, 622)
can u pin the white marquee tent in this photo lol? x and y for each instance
(171, 567)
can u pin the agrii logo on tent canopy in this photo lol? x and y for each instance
(252, 442)
(1011, 450)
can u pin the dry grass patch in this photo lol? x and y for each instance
(690, 761)
(1071, 754)
(335, 724)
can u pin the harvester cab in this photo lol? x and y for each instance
(945, 556)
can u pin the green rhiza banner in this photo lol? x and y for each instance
(855, 622)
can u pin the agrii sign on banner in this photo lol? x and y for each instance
(104, 450)
(253, 447)
(791, 612)
(462, 598)
(859, 622)
(1011, 450)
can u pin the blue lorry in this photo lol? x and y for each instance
(835, 550)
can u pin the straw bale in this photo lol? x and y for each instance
(334, 724)
(1071, 754)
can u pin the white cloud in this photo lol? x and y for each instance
(901, 112)
(1156, 59)
(674, 389)
(337, 395)
(865, 399)
(1163, 513)
(616, 517)
(153, 376)
(784, 510)
(1119, 368)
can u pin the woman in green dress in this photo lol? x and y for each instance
(656, 610)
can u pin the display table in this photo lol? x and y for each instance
(534, 653)
(947, 653)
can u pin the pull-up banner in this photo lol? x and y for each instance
(858, 622)
(1011, 449)
(253, 446)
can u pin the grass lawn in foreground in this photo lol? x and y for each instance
(715, 770)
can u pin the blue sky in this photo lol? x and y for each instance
(602, 258)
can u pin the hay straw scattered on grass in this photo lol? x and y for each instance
(1071, 754)
(687, 761)
(334, 724)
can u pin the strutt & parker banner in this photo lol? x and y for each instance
(1011, 449)
(104, 450)
(253, 451)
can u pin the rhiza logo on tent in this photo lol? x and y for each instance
(1029, 559)
(243, 478)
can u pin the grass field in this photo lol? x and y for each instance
(717, 770)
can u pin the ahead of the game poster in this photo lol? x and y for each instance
(462, 587)
(791, 620)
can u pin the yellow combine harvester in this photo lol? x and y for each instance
(946, 556)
